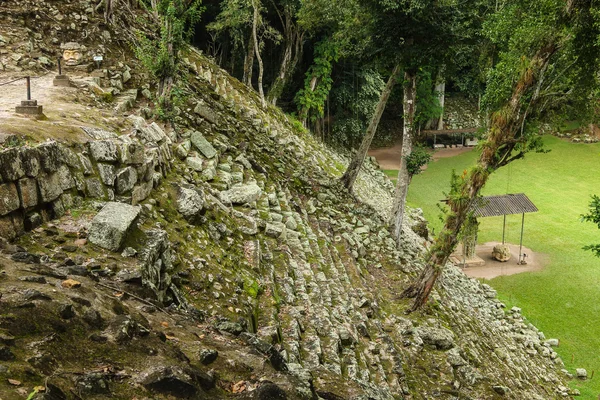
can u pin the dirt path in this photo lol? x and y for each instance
(389, 157)
(493, 268)
(65, 109)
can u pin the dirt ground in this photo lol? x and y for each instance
(493, 268)
(389, 157)
(65, 109)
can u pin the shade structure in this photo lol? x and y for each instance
(506, 204)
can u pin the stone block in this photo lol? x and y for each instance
(103, 150)
(110, 226)
(195, 163)
(28, 109)
(51, 156)
(49, 185)
(206, 112)
(126, 179)
(11, 165)
(30, 159)
(131, 153)
(141, 192)
(88, 169)
(61, 81)
(71, 158)
(241, 194)
(65, 178)
(94, 188)
(9, 198)
(28, 192)
(203, 145)
(107, 174)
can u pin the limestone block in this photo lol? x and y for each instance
(103, 150)
(241, 194)
(203, 145)
(65, 178)
(30, 158)
(206, 112)
(195, 163)
(51, 156)
(11, 166)
(111, 225)
(9, 198)
(70, 158)
(126, 179)
(88, 169)
(141, 192)
(131, 153)
(189, 203)
(94, 188)
(107, 174)
(28, 192)
(49, 185)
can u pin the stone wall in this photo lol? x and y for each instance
(42, 182)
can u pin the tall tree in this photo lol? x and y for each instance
(293, 39)
(538, 44)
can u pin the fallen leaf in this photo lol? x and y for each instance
(14, 382)
(119, 294)
(71, 284)
(39, 389)
(165, 324)
(170, 337)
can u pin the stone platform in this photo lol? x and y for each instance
(61, 80)
(29, 107)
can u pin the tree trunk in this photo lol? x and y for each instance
(291, 56)
(440, 89)
(305, 110)
(503, 135)
(249, 62)
(410, 108)
(354, 167)
(256, 5)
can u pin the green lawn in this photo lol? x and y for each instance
(563, 300)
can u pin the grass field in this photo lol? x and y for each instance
(563, 299)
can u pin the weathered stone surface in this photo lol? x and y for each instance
(182, 150)
(131, 153)
(111, 225)
(65, 178)
(28, 192)
(9, 198)
(107, 173)
(206, 112)
(49, 185)
(11, 166)
(194, 163)
(170, 380)
(208, 356)
(189, 203)
(94, 188)
(152, 134)
(157, 265)
(581, 373)
(126, 180)
(103, 150)
(501, 252)
(273, 230)
(30, 159)
(441, 338)
(241, 194)
(51, 156)
(203, 145)
(141, 192)
(88, 169)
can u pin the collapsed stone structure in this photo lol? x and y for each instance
(219, 257)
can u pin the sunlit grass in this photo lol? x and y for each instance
(563, 299)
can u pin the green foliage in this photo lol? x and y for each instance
(593, 215)
(419, 157)
(428, 104)
(353, 101)
(309, 99)
(161, 55)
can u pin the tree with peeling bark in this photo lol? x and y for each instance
(540, 45)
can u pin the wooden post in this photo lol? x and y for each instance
(521, 243)
(28, 88)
